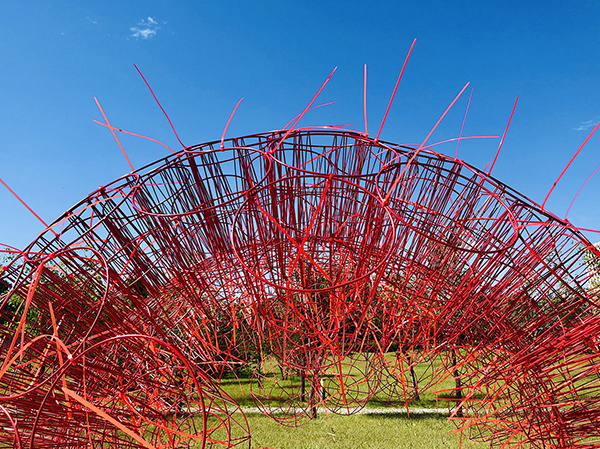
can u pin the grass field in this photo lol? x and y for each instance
(372, 430)
(379, 431)
(434, 383)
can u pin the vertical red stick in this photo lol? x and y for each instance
(305, 109)
(229, 121)
(365, 101)
(463, 123)
(503, 136)
(112, 130)
(160, 106)
(570, 162)
(395, 88)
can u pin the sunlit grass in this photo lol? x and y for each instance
(372, 430)
(380, 431)
(434, 385)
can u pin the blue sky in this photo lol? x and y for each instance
(202, 57)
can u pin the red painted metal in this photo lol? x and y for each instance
(328, 264)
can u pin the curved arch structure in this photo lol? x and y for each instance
(316, 254)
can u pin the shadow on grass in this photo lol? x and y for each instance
(234, 381)
(422, 403)
(405, 417)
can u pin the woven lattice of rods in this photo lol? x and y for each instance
(126, 391)
(335, 267)
(290, 397)
(62, 361)
(351, 382)
(407, 373)
(293, 396)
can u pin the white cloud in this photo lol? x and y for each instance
(142, 33)
(145, 28)
(586, 125)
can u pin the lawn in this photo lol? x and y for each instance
(379, 431)
(434, 385)
(368, 430)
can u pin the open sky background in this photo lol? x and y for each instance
(201, 57)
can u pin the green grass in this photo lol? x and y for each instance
(358, 431)
(373, 429)
(435, 396)
(330, 431)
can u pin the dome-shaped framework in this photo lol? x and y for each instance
(327, 255)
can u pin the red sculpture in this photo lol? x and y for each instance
(329, 263)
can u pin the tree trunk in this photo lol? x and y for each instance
(314, 396)
(458, 389)
(413, 378)
(302, 386)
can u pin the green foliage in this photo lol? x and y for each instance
(592, 262)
